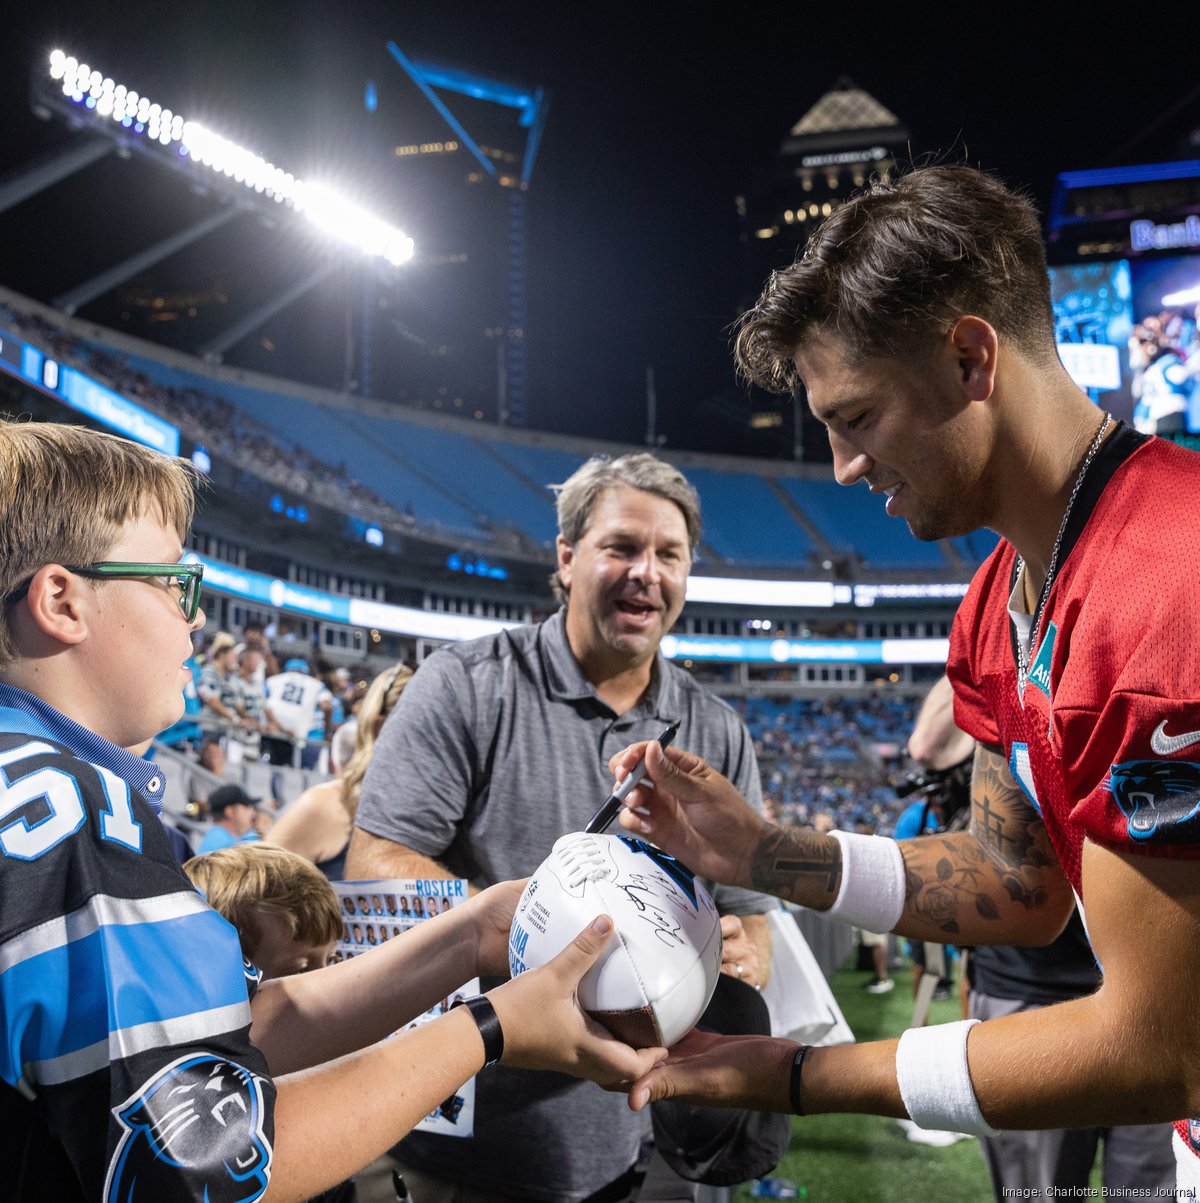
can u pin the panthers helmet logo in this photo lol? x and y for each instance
(198, 1123)
(1159, 798)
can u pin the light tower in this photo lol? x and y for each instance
(531, 105)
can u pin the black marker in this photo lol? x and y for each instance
(612, 805)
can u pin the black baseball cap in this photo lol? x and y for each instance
(229, 795)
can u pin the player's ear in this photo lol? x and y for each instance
(58, 605)
(566, 561)
(973, 344)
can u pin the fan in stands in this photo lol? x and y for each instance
(656, 977)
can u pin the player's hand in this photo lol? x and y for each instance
(739, 953)
(545, 1027)
(692, 812)
(723, 1071)
(491, 912)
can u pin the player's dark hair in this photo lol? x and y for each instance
(894, 267)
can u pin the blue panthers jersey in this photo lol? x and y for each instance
(128, 1073)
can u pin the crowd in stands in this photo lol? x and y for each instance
(213, 422)
(836, 756)
(836, 759)
(244, 703)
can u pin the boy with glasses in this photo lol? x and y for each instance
(127, 1065)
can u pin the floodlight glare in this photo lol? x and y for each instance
(338, 217)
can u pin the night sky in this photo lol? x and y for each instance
(659, 117)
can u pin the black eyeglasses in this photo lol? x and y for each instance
(187, 577)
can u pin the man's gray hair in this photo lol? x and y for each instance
(576, 496)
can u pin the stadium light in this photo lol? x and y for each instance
(322, 205)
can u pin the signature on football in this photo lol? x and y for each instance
(647, 894)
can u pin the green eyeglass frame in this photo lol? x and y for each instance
(187, 576)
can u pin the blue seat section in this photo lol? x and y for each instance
(330, 436)
(460, 465)
(854, 519)
(745, 522)
(544, 466)
(540, 467)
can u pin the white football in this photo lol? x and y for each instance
(655, 977)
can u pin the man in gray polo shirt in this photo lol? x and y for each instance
(500, 745)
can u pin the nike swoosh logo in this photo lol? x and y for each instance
(1167, 745)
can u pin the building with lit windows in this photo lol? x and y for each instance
(846, 139)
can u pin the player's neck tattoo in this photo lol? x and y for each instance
(798, 865)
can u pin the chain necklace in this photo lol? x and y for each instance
(1025, 651)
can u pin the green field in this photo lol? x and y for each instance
(860, 1158)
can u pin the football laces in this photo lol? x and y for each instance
(583, 860)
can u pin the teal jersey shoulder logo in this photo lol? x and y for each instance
(1039, 670)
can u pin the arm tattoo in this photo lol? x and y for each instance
(799, 865)
(1001, 864)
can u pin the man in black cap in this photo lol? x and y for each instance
(233, 818)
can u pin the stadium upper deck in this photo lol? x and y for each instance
(460, 480)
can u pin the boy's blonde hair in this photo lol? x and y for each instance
(246, 881)
(65, 493)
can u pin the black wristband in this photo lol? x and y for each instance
(794, 1084)
(488, 1023)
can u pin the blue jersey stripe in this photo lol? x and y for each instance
(118, 977)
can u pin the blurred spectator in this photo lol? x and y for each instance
(233, 813)
(294, 699)
(254, 636)
(216, 689)
(251, 699)
(318, 824)
(212, 753)
(341, 691)
(1166, 372)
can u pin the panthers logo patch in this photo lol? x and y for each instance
(197, 1126)
(1159, 798)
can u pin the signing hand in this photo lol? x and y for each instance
(545, 1028)
(692, 812)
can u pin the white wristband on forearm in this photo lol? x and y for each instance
(935, 1082)
(872, 891)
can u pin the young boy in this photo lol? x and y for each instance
(284, 909)
(130, 1067)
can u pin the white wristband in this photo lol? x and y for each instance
(872, 891)
(935, 1082)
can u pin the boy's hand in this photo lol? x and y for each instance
(492, 912)
(545, 1028)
